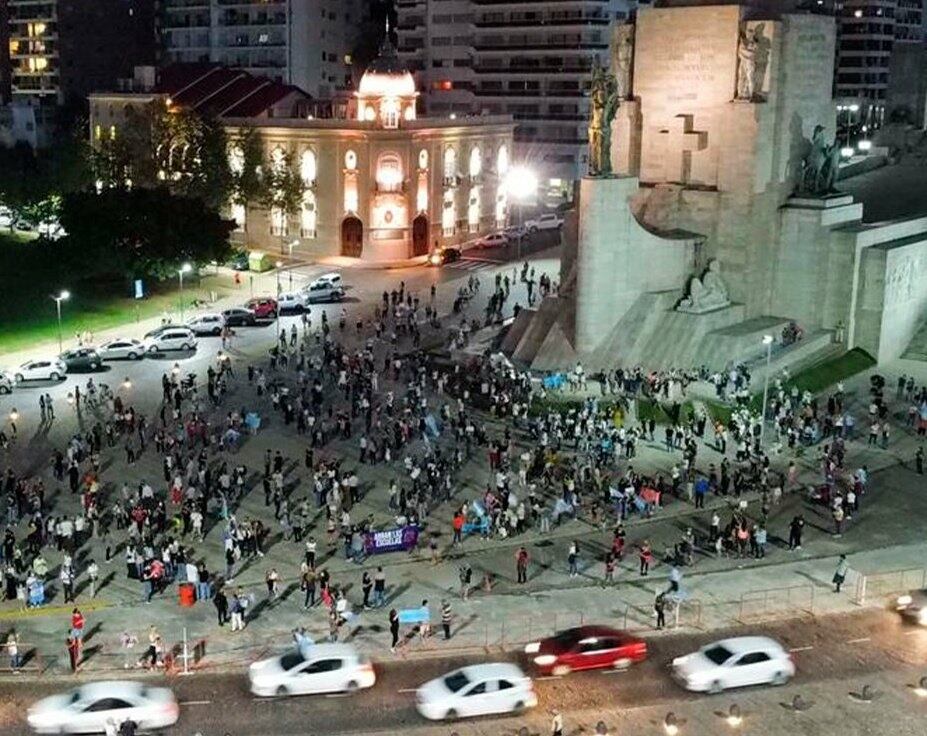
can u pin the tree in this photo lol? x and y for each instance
(246, 166)
(283, 186)
(140, 232)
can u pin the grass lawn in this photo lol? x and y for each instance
(819, 377)
(8, 237)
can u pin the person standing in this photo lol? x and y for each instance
(221, 602)
(521, 565)
(366, 587)
(272, 581)
(573, 559)
(659, 608)
(646, 556)
(73, 646)
(393, 629)
(77, 624)
(12, 648)
(795, 529)
(307, 583)
(446, 615)
(919, 460)
(93, 573)
(379, 588)
(840, 574)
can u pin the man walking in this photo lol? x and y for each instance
(521, 565)
(795, 529)
(446, 618)
(840, 574)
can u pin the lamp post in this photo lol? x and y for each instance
(520, 184)
(185, 268)
(63, 296)
(768, 342)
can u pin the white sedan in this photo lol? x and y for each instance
(89, 708)
(122, 348)
(291, 301)
(312, 669)
(478, 690)
(44, 369)
(746, 660)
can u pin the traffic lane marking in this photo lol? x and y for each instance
(195, 702)
(800, 649)
(860, 640)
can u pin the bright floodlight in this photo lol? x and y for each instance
(854, 108)
(847, 151)
(767, 339)
(521, 182)
(64, 295)
(865, 145)
(186, 268)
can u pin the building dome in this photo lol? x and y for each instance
(386, 76)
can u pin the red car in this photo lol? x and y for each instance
(263, 307)
(586, 648)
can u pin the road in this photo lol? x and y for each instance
(847, 647)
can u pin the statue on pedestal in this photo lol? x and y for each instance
(752, 58)
(820, 165)
(604, 99)
(706, 293)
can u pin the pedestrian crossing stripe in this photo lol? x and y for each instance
(471, 265)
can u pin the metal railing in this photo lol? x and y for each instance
(884, 584)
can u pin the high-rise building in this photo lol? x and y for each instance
(532, 60)
(4, 55)
(306, 43)
(869, 32)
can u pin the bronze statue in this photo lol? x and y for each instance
(604, 98)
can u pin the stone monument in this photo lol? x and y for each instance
(718, 155)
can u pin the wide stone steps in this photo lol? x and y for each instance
(812, 349)
(739, 343)
(917, 348)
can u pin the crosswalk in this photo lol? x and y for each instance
(467, 264)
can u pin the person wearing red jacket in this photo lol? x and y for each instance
(77, 624)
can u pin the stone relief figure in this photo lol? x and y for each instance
(706, 293)
(752, 56)
(820, 165)
(604, 99)
(623, 59)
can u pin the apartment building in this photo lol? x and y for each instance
(870, 32)
(531, 60)
(306, 43)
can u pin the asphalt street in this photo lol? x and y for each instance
(845, 647)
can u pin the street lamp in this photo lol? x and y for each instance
(521, 184)
(185, 268)
(768, 342)
(63, 296)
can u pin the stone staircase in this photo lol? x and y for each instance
(814, 348)
(742, 342)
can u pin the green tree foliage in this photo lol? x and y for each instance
(140, 232)
(282, 186)
(247, 182)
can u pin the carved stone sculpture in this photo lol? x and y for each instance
(604, 99)
(820, 166)
(623, 59)
(746, 65)
(706, 293)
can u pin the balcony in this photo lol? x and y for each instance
(545, 22)
(529, 93)
(533, 69)
(539, 45)
(183, 23)
(186, 5)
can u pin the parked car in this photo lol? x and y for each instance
(547, 221)
(171, 338)
(493, 240)
(332, 279)
(327, 288)
(746, 660)
(263, 307)
(586, 648)
(207, 324)
(239, 261)
(6, 382)
(82, 359)
(309, 670)
(292, 301)
(238, 317)
(477, 690)
(913, 606)
(122, 348)
(444, 255)
(515, 232)
(44, 369)
(87, 709)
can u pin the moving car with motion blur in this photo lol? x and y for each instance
(82, 359)
(122, 348)
(493, 240)
(913, 606)
(586, 648)
(738, 662)
(43, 369)
(444, 255)
(6, 382)
(312, 669)
(88, 708)
(477, 690)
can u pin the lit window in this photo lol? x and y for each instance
(476, 162)
(350, 192)
(410, 112)
(236, 160)
(473, 211)
(278, 222)
(390, 113)
(450, 166)
(278, 159)
(307, 216)
(370, 114)
(502, 160)
(389, 173)
(421, 195)
(350, 161)
(448, 214)
(112, 132)
(239, 215)
(97, 132)
(307, 167)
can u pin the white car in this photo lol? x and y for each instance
(323, 291)
(746, 660)
(44, 369)
(122, 348)
(6, 382)
(170, 338)
(331, 279)
(206, 324)
(311, 669)
(88, 708)
(291, 301)
(493, 240)
(547, 221)
(477, 690)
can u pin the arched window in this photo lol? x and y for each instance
(448, 214)
(389, 173)
(473, 211)
(450, 167)
(476, 162)
(307, 167)
(278, 159)
(350, 161)
(423, 159)
(236, 160)
(390, 111)
(502, 161)
(307, 216)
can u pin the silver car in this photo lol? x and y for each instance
(122, 348)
